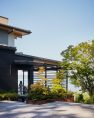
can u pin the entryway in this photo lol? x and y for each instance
(22, 82)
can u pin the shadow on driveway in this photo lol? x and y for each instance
(9, 109)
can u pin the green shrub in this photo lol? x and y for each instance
(82, 98)
(9, 96)
(86, 98)
(57, 89)
(78, 97)
(38, 92)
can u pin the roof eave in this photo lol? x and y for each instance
(12, 29)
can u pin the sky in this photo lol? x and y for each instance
(55, 24)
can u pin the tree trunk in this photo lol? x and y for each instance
(91, 98)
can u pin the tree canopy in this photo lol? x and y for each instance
(78, 61)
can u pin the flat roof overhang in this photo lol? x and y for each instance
(18, 32)
(39, 59)
(37, 64)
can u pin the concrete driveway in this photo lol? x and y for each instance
(9, 109)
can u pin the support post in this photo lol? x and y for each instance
(23, 78)
(45, 76)
(67, 81)
(30, 76)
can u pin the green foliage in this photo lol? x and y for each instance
(38, 92)
(9, 96)
(86, 98)
(78, 62)
(57, 88)
(56, 81)
(78, 97)
(60, 75)
(82, 98)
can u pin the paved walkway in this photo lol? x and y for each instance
(10, 109)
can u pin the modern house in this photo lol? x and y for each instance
(11, 61)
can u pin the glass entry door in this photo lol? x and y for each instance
(22, 82)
